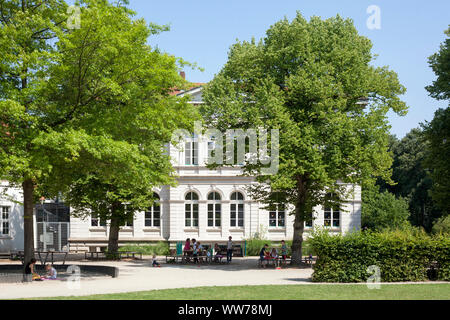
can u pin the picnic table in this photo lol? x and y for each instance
(51, 254)
(43, 256)
(119, 255)
(279, 261)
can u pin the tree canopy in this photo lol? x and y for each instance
(84, 105)
(440, 64)
(313, 80)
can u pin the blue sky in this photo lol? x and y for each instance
(203, 30)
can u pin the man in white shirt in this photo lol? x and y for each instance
(229, 250)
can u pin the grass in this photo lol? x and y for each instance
(290, 292)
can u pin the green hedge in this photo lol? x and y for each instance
(160, 248)
(400, 255)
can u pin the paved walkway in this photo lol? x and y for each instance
(141, 276)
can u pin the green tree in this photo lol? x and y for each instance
(440, 63)
(437, 133)
(314, 82)
(82, 98)
(382, 210)
(412, 179)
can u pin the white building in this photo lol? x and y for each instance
(208, 205)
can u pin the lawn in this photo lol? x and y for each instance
(291, 292)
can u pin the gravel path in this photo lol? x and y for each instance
(141, 276)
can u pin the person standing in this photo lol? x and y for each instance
(229, 250)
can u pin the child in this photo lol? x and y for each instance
(274, 256)
(274, 253)
(283, 250)
(155, 263)
(263, 254)
(195, 252)
(187, 246)
(51, 272)
(218, 256)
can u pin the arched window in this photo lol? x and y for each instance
(191, 209)
(332, 214)
(153, 214)
(237, 210)
(214, 209)
(277, 216)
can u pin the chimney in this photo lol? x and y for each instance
(183, 75)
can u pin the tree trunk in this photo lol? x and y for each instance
(28, 221)
(297, 240)
(114, 228)
(299, 222)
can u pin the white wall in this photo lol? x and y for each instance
(8, 196)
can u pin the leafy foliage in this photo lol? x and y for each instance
(87, 111)
(308, 78)
(440, 63)
(382, 210)
(400, 255)
(160, 249)
(442, 225)
(437, 133)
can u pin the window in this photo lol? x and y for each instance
(129, 222)
(97, 222)
(237, 210)
(191, 210)
(211, 147)
(309, 221)
(277, 217)
(191, 151)
(153, 215)
(214, 209)
(4, 221)
(331, 217)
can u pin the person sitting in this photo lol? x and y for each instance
(218, 257)
(200, 251)
(51, 272)
(263, 254)
(155, 263)
(30, 272)
(274, 256)
(195, 251)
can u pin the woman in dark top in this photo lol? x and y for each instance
(29, 270)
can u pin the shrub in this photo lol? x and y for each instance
(442, 225)
(400, 255)
(160, 248)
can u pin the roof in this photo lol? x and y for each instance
(193, 86)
